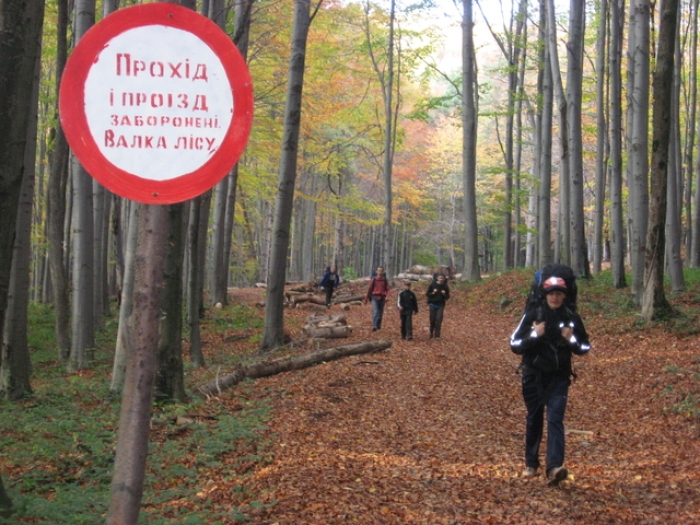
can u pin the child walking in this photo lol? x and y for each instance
(408, 305)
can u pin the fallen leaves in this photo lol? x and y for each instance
(432, 433)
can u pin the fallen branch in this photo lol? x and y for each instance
(287, 364)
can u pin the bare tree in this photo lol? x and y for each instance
(638, 126)
(20, 31)
(471, 271)
(135, 416)
(274, 317)
(674, 193)
(15, 363)
(601, 139)
(574, 88)
(617, 232)
(544, 216)
(654, 301)
(56, 201)
(83, 336)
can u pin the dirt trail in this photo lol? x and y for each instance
(431, 432)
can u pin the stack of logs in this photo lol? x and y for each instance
(326, 326)
(308, 293)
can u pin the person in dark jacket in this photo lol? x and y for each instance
(546, 338)
(438, 293)
(377, 292)
(329, 283)
(408, 305)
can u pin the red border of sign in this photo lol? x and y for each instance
(74, 119)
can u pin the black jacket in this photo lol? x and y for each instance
(408, 301)
(435, 295)
(550, 353)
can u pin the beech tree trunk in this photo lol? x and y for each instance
(638, 122)
(601, 139)
(617, 229)
(20, 32)
(15, 363)
(287, 364)
(56, 201)
(135, 416)
(274, 305)
(170, 380)
(654, 301)
(83, 335)
(471, 271)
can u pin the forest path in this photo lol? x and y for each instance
(431, 432)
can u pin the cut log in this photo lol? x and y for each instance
(287, 364)
(327, 332)
(348, 298)
(296, 299)
(326, 320)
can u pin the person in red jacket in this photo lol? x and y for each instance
(377, 292)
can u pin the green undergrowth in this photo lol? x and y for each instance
(57, 447)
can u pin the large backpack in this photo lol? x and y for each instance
(535, 297)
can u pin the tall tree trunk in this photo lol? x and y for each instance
(56, 201)
(471, 271)
(15, 363)
(123, 346)
(617, 227)
(601, 139)
(521, 39)
(389, 142)
(99, 258)
(170, 380)
(217, 272)
(693, 215)
(654, 301)
(194, 281)
(544, 223)
(574, 87)
(638, 152)
(83, 335)
(274, 306)
(20, 32)
(563, 238)
(135, 416)
(674, 195)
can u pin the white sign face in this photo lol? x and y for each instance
(158, 102)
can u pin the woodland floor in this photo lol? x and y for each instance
(431, 432)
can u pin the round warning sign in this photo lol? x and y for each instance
(156, 103)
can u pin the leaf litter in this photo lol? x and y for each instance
(431, 432)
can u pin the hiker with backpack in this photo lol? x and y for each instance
(548, 334)
(377, 292)
(329, 283)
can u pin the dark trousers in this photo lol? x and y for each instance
(407, 325)
(550, 391)
(436, 314)
(329, 294)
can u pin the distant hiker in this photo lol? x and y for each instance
(378, 291)
(408, 305)
(547, 336)
(438, 293)
(329, 283)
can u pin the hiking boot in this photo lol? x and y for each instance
(557, 475)
(529, 472)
